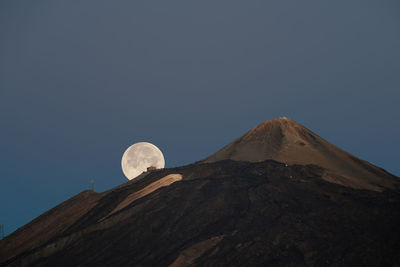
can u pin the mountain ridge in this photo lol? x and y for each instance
(229, 212)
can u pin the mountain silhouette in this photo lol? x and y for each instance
(278, 196)
(287, 141)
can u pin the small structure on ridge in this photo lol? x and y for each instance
(151, 168)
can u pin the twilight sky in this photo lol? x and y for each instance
(80, 81)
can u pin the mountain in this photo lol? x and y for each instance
(287, 141)
(238, 207)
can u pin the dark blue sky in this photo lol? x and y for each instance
(80, 81)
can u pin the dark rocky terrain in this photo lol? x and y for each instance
(222, 213)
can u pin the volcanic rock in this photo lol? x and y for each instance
(236, 208)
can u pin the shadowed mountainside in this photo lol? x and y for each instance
(227, 213)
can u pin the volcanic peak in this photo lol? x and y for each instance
(287, 141)
(272, 130)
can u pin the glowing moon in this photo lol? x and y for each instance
(138, 157)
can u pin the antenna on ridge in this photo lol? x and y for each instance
(92, 185)
(1, 231)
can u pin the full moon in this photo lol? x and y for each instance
(138, 157)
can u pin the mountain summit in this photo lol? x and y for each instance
(289, 142)
(278, 196)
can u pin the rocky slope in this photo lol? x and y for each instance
(287, 141)
(226, 213)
